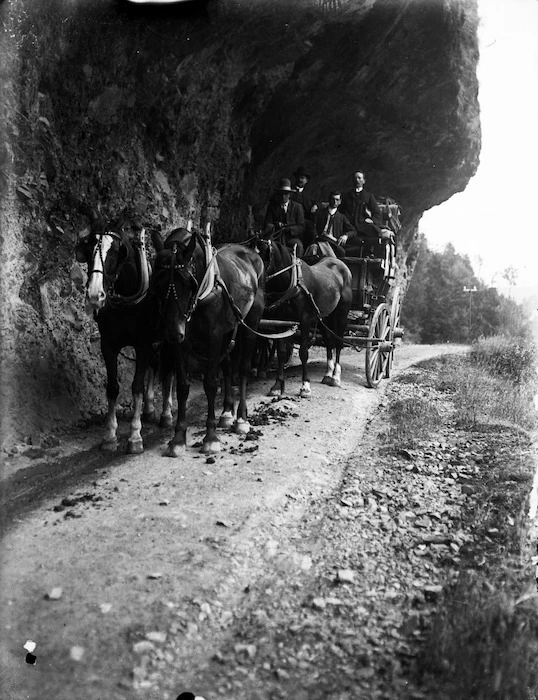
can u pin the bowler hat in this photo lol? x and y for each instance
(284, 185)
(301, 170)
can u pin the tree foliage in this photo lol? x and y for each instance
(438, 310)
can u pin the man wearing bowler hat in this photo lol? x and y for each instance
(285, 217)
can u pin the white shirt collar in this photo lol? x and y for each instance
(333, 210)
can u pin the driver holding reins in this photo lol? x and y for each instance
(285, 218)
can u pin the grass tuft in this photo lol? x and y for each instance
(511, 358)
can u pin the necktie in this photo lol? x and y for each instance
(329, 225)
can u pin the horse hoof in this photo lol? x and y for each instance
(109, 445)
(241, 427)
(166, 422)
(148, 417)
(335, 382)
(135, 447)
(226, 421)
(210, 447)
(174, 450)
(275, 391)
(327, 379)
(305, 393)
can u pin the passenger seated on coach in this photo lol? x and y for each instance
(332, 227)
(285, 218)
(362, 210)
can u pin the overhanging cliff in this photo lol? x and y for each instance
(196, 113)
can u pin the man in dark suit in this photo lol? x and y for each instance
(333, 227)
(362, 209)
(285, 216)
(301, 195)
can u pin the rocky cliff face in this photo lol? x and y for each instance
(196, 112)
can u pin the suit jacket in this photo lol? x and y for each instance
(354, 206)
(306, 201)
(293, 220)
(340, 224)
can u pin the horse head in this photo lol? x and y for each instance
(112, 266)
(278, 263)
(175, 281)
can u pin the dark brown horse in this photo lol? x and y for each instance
(208, 301)
(311, 295)
(126, 315)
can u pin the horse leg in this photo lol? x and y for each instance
(227, 416)
(168, 373)
(278, 387)
(337, 372)
(305, 391)
(329, 370)
(339, 327)
(110, 440)
(183, 387)
(149, 393)
(211, 443)
(134, 443)
(245, 352)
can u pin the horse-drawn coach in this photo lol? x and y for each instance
(214, 303)
(372, 318)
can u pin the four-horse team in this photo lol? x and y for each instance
(297, 278)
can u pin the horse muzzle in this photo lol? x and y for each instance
(94, 302)
(175, 334)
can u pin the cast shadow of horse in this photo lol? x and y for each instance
(312, 295)
(209, 300)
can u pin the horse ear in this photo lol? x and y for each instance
(122, 218)
(191, 245)
(157, 240)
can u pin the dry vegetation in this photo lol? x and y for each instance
(483, 642)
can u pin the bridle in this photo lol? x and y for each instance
(187, 272)
(99, 249)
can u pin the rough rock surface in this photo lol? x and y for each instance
(196, 114)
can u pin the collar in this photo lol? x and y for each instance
(358, 190)
(332, 211)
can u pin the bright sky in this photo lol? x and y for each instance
(496, 217)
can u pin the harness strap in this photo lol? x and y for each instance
(296, 278)
(142, 291)
(239, 316)
(208, 280)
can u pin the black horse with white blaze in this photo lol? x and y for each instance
(126, 314)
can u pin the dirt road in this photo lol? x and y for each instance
(105, 557)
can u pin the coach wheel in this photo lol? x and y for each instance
(378, 346)
(395, 331)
